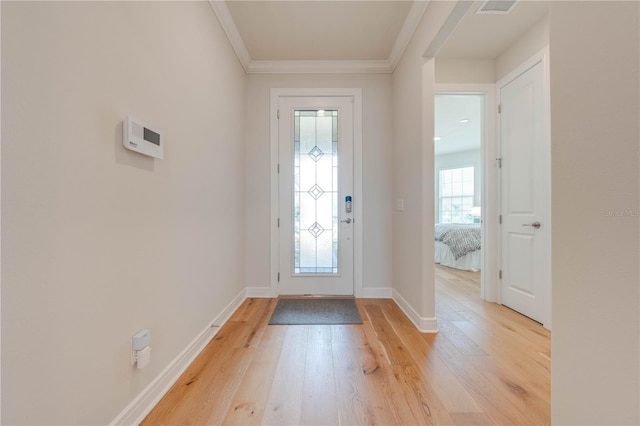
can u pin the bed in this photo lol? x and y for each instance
(458, 246)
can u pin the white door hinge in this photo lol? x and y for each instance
(500, 274)
(278, 114)
(278, 276)
(500, 219)
(499, 108)
(499, 160)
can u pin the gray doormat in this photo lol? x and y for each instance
(315, 311)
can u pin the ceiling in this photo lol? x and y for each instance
(458, 123)
(304, 36)
(319, 30)
(319, 35)
(358, 35)
(486, 36)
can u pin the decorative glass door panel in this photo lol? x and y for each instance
(315, 187)
(315, 192)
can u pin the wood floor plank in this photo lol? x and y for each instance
(399, 406)
(519, 391)
(284, 405)
(359, 387)
(517, 355)
(459, 339)
(446, 312)
(424, 404)
(492, 398)
(514, 368)
(250, 400)
(194, 394)
(319, 403)
(436, 373)
(487, 365)
(467, 304)
(471, 419)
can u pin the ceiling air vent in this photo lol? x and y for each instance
(496, 7)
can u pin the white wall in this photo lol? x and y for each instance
(413, 89)
(99, 242)
(489, 70)
(456, 160)
(461, 70)
(595, 105)
(376, 164)
(524, 48)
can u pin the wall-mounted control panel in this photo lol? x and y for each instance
(138, 137)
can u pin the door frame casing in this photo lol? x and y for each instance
(542, 56)
(489, 283)
(356, 95)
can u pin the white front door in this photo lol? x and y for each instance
(316, 203)
(525, 197)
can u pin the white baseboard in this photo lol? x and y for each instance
(261, 292)
(423, 324)
(376, 293)
(142, 405)
(233, 306)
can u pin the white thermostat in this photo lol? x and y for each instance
(137, 137)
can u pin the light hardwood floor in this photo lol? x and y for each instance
(487, 365)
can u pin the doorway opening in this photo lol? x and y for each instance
(458, 182)
(465, 205)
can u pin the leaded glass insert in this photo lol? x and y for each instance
(315, 192)
(316, 153)
(316, 230)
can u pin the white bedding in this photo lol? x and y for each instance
(468, 262)
(461, 238)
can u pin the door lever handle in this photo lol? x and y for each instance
(347, 220)
(534, 224)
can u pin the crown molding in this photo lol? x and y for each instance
(387, 66)
(319, 67)
(229, 27)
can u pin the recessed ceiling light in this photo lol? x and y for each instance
(437, 138)
(464, 120)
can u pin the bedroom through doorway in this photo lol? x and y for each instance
(458, 185)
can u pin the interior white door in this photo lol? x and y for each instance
(524, 183)
(316, 203)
